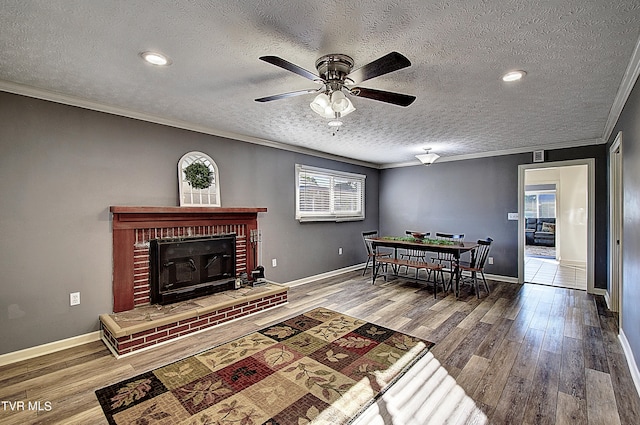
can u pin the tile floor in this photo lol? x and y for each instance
(548, 271)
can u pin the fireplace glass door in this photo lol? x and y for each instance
(191, 267)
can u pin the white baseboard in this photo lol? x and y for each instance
(631, 361)
(328, 274)
(51, 347)
(337, 272)
(574, 263)
(607, 298)
(500, 278)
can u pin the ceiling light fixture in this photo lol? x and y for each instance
(332, 105)
(428, 158)
(154, 58)
(513, 76)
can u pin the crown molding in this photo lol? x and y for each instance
(631, 75)
(64, 99)
(525, 149)
(626, 86)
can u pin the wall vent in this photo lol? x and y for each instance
(538, 156)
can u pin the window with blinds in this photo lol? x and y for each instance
(327, 195)
(540, 204)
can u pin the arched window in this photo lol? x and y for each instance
(198, 180)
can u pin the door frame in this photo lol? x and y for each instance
(614, 292)
(590, 163)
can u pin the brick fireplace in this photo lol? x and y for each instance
(134, 227)
(136, 325)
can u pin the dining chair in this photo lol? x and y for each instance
(366, 236)
(447, 258)
(414, 254)
(436, 269)
(458, 237)
(478, 259)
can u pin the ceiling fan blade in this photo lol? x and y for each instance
(384, 65)
(383, 96)
(274, 60)
(285, 95)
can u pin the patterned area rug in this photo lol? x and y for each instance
(320, 367)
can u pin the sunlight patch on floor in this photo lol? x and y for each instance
(426, 394)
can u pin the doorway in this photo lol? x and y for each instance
(615, 225)
(555, 242)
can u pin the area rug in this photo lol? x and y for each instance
(320, 367)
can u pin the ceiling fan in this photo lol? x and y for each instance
(336, 76)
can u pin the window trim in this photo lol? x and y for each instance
(329, 215)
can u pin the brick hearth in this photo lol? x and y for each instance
(151, 325)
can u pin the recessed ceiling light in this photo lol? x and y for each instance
(513, 75)
(155, 58)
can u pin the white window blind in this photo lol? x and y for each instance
(327, 195)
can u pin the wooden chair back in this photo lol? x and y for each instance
(414, 253)
(367, 243)
(456, 237)
(482, 253)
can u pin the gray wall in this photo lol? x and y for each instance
(61, 168)
(629, 124)
(474, 196)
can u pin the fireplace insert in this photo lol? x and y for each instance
(191, 267)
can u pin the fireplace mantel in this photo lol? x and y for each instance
(128, 220)
(151, 215)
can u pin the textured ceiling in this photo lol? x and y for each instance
(575, 52)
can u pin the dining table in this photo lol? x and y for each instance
(456, 249)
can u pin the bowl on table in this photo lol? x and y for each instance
(418, 235)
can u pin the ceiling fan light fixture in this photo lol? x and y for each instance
(320, 104)
(329, 113)
(349, 109)
(339, 102)
(427, 158)
(335, 72)
(323, 106)
(155, 58)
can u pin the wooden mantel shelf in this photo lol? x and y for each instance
(125, 217)
(183, 210)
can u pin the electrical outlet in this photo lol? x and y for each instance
(74, 298)
(490, 260)
(274, 262)
(339, 251)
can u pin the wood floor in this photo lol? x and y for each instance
(524, 354)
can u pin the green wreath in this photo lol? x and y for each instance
(198, 175)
